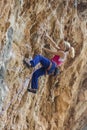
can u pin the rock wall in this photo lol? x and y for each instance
(61, 102)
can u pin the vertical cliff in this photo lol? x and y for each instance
(61, 102)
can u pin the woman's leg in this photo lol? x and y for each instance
(40, 59)
(39, 72)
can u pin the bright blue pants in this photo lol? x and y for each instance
(45, 62)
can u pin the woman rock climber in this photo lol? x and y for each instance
(49, 66)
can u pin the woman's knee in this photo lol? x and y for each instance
(40, 56)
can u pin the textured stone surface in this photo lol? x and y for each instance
(85, 128)
(61, 102)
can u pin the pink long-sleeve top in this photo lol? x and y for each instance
(58, 60)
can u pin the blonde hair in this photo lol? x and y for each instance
(72, 52)
(67, 45)
(70, 49)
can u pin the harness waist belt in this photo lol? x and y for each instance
(49, 66)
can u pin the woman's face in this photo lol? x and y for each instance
(62, 46)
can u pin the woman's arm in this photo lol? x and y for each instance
(52, 42)
(60, 53)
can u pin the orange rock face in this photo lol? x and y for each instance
(61, 102)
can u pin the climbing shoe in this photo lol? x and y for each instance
(32, 90)
(27, 63)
